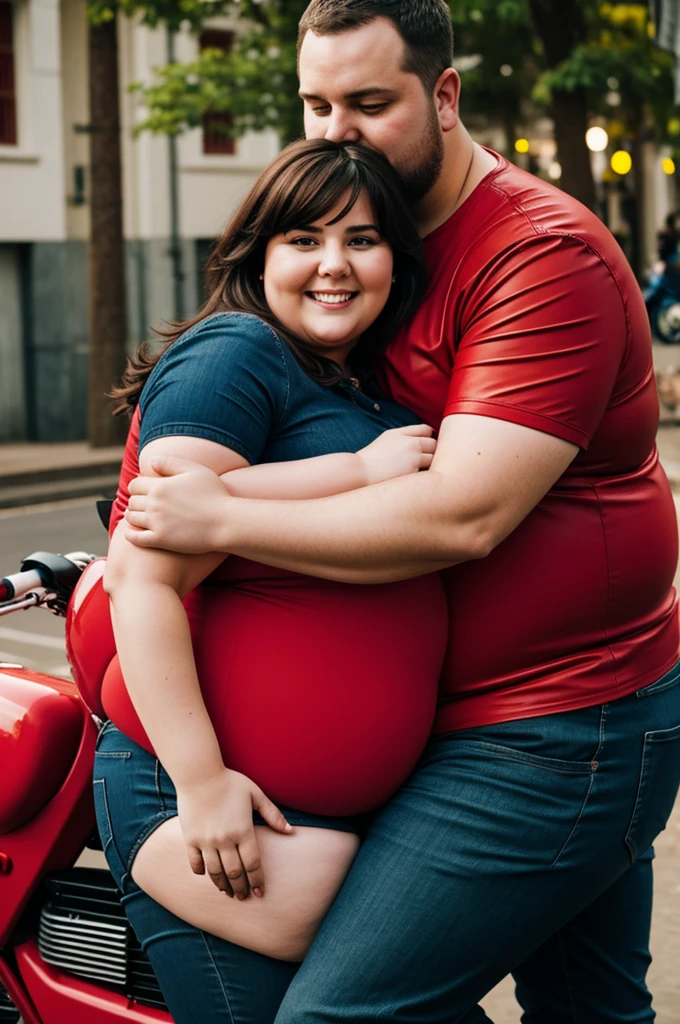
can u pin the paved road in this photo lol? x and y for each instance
(35, 638)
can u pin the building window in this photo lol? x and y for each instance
(216, 125)
(8, 107)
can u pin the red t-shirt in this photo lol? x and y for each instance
(533, 315)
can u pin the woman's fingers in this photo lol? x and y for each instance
(249, 852)
(196, 862)
(270, 812)
(218, 870)
(235, 873)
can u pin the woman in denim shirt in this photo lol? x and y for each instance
(316, 695)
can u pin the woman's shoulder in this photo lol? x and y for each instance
(218, 347)
(239, 329)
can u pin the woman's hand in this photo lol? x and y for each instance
(398, 452)
(216, 816)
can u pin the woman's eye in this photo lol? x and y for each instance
(362, 242)
(303, 242)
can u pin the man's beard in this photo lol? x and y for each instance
(428, 161)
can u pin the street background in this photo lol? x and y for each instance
(130, 130)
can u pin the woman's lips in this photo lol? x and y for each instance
(332, 300)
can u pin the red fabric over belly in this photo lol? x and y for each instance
(322, 693)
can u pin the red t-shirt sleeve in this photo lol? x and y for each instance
(542, 334)
(129, 470)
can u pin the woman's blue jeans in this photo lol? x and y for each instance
(522, 847)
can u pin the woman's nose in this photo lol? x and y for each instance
(333, 262)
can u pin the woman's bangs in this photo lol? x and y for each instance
(315, 194)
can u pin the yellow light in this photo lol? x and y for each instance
(522, 145)
(621, 162)
(668, 165)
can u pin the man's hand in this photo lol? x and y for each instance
(181, 509)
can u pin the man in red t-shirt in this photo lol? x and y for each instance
(521, 843)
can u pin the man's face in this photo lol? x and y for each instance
(354, 89)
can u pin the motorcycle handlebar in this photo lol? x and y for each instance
(19, 584)
(50, 578)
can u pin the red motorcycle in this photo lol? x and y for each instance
(67, 953)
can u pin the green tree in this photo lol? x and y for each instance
(256, 82)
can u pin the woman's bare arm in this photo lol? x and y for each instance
(394, 453)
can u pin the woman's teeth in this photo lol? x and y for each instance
(332, 297)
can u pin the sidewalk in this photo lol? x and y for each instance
(32, 474)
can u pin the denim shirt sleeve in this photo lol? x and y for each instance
(225, 380)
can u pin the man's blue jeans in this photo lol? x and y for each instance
(522, 847)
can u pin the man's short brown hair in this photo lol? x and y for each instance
(424, 25)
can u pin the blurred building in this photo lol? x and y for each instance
(44, 212)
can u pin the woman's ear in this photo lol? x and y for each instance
(446, 98)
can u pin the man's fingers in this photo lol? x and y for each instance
(249, 852)
(138, 519)
(216, 869)
(417, 430)
(171, 465)
(141, 538)
(137, 503)
(140, 485)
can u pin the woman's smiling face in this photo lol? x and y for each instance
(328, 282)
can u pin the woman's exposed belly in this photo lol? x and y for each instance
(322, 693)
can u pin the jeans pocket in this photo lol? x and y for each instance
(666, 682)
(657, 789)
(103, 815)
(552, 764)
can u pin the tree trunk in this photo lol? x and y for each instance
(561, 27)
(107, 270)
(570, 114)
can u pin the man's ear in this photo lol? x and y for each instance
(446, 98)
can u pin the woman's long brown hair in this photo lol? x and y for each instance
(303, 183)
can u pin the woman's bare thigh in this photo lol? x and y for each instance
(302, 871)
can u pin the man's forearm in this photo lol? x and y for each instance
(393, 530)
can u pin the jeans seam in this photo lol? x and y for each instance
(567, 982)
(157, 776)
(102, 783)
(218, 975)
(600, 741)
(658, 686)
(535, 760)
(151, 825)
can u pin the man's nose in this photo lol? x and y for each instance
(341, 129)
